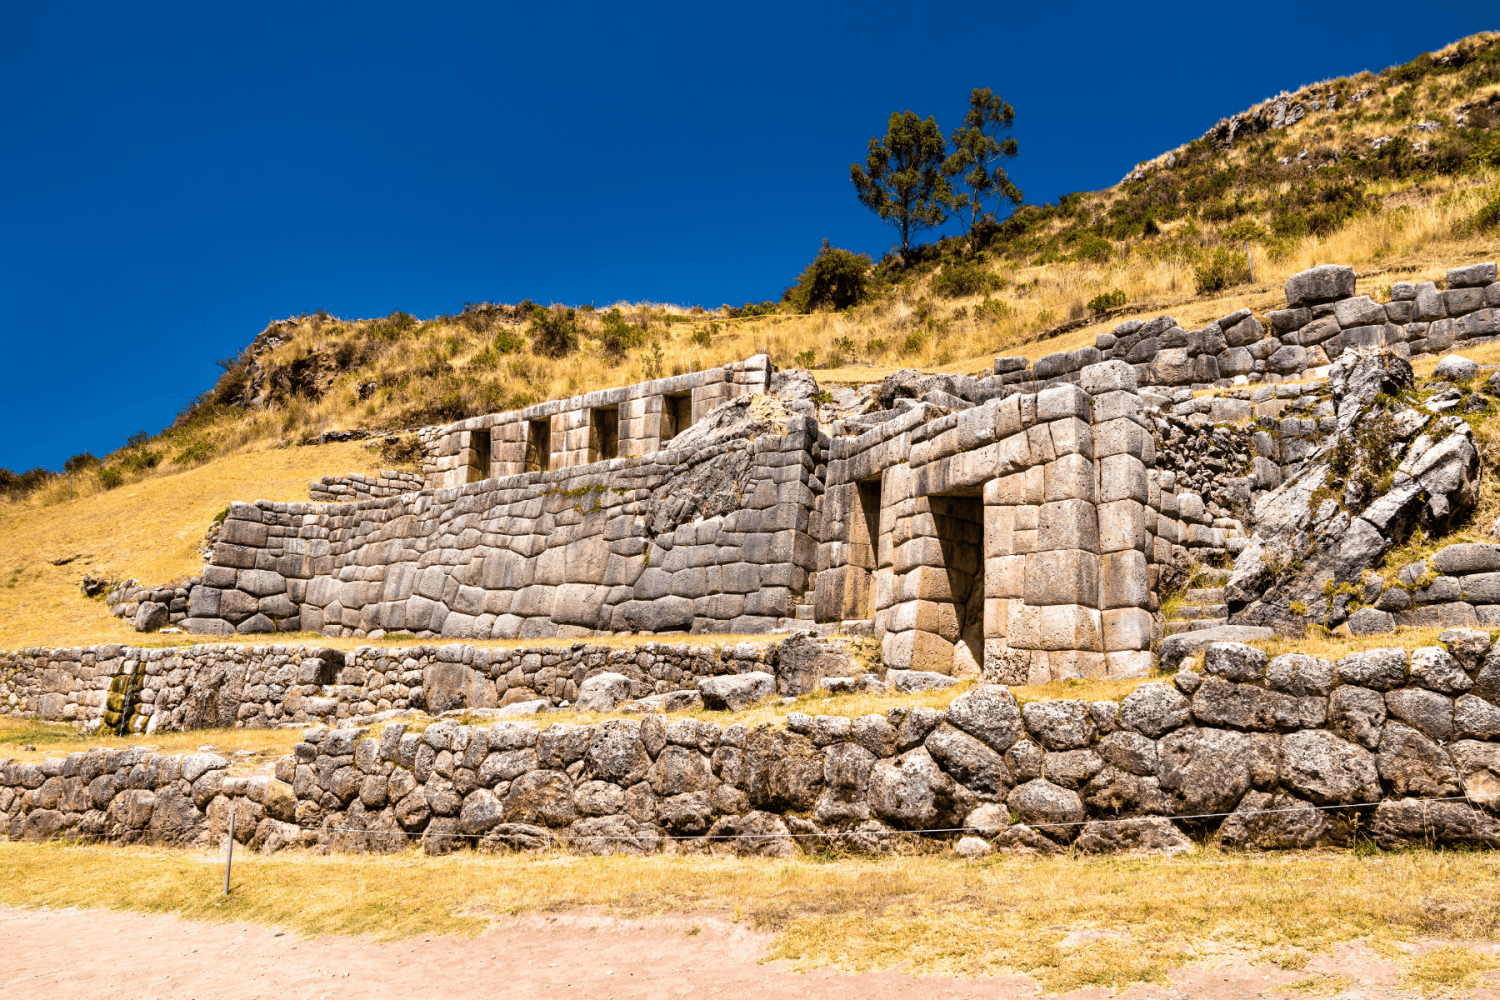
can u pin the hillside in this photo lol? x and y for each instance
(1396, 172)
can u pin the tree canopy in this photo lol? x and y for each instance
(902, 180)
(974, 164)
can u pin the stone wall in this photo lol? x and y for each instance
(1323, 318)
(559, 434)
(344, 489)
(711, 538)
(1022, 537)
(129, 690)
(1296, 752)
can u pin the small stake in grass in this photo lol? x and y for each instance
(229, 856)
(1249, 263)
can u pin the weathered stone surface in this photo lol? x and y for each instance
(913, 792)
(1234, 661)
(1380, 669)
(1301, 676)
(1327, 770)
(971, 763)
(1204, 771)
(1411, 764)
(1054, 810)
(1143, 835)
(1176, 648)
(734, 692)
(1154, 709)
(1414, 822)
(1426, 711)
(990, 714)
(1269, 822)
(1357, 714)
(1060, 725)
(543, 798)
(803, 661)
(602, 693)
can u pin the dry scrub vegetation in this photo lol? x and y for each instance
(1070, 922)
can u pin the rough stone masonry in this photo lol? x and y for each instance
(1291, 752)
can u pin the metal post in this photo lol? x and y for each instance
(229, 857)
(1249, 263)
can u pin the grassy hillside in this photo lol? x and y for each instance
(1397, 173)
(151, 530)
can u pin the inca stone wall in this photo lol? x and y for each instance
(343, 489)
(124, 689)
(1293, 752)
(565, 433)
(1323, 318)
(1023, 536)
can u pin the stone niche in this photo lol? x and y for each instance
(1015, 540)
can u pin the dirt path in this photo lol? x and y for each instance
(75, 953)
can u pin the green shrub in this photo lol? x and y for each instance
(619, 334)
(554, 332)
(507, 341)
(806, 359)
(1487, 219)
(198, 451)
(1107, 301)
(393, 327)
(957, 280)
(1219, 268)
(991, 310)
(914, 342)
(703, 336)
(1093, 248)
(1244, 231)
(110, 477)
(140, 460)
(836, 279)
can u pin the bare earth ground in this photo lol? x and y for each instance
(76, 953)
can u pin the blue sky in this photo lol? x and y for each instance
(174, 176)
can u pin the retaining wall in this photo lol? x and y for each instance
(1322, 319)
(343, 489)
(1298, 752)
(131, 690)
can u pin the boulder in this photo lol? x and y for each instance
(972, 848)
(1328, 770)
(1415, 822)
(1139, 835)
(1234, 661)
(150, 616)
(988, 713)
(1411, 764)
(916, 681)
(1154, 709)
(1055, 810)
(1324, 283)
(971, 763)
(1265, 822)
(913, 792)
(1059, 725)
(1176, 648)
(1204, 771)
(802, 661)
(602, 693)
(733, 692)
(1455, 368)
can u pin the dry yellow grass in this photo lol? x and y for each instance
(151, 529)
(934, 912)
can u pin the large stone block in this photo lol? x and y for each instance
(1123, 477)
(1123, 580)
(1068, 524)
(1122, 525)
(1127, 629)
(1068, 478)
(1071, 626)
(1320, 284)
(1066, 576)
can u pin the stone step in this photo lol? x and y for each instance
(1214, 577)
(1205, 595)
(1174, 627)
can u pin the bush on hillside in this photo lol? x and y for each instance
(18, 484)
(836, 279)
(1107, 301)
(619, 335)
(554, 332)
(958, 280)
(1219, 268)
(1487, 219)
(110, 477)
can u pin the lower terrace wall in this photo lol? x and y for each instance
(1296, 752)
(131, 690)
